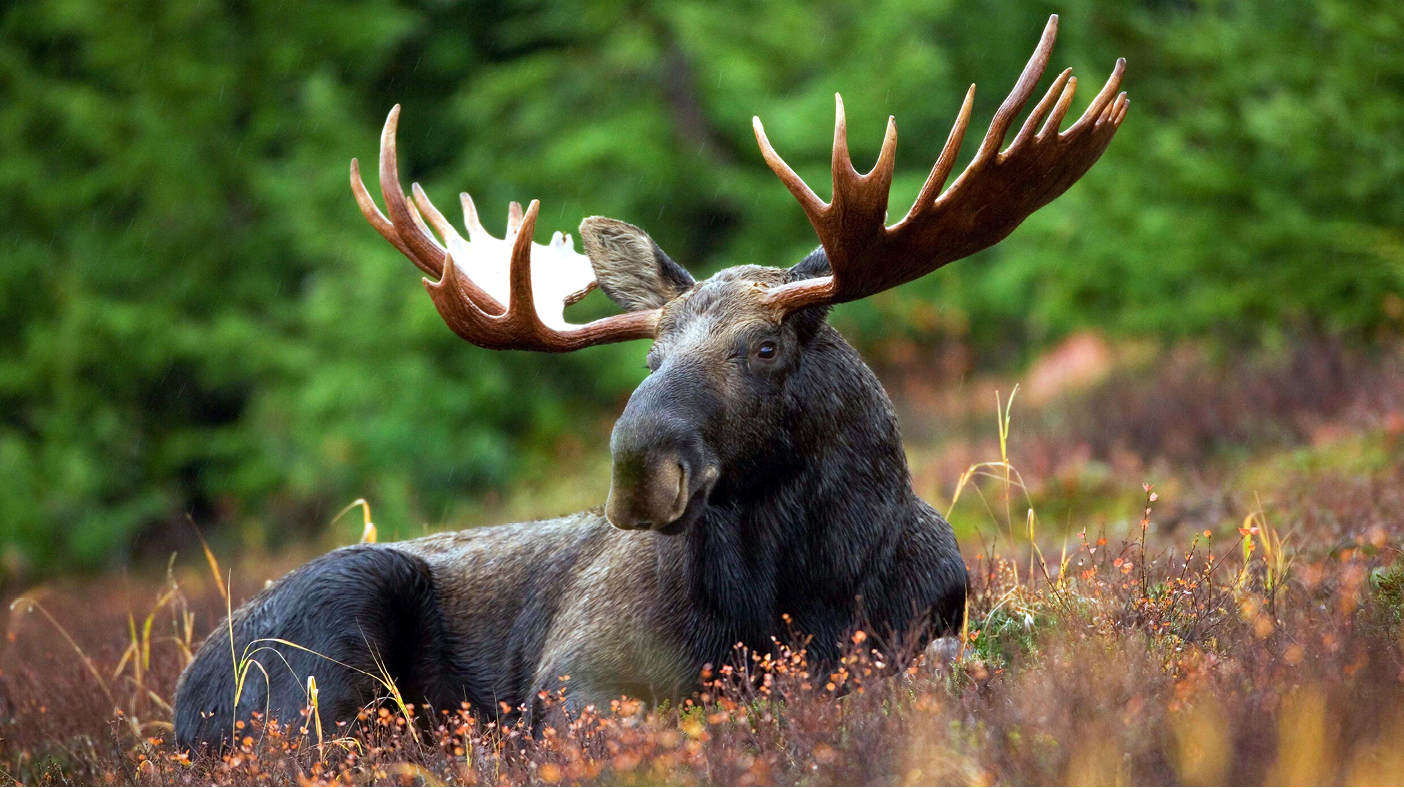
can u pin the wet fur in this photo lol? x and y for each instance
(814, 516)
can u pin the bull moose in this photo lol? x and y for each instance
(759, 484)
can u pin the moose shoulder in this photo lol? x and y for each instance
(759, 483)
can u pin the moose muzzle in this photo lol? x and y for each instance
(662, 471)
(649, 492)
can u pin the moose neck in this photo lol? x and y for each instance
(827, 501)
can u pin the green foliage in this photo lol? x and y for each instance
(1388, 584)
(196, 319)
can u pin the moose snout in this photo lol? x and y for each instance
(664, 470)
(661, 476)
(649, 491)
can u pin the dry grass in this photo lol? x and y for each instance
(1259, 642)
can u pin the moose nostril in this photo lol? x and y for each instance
(680, 495)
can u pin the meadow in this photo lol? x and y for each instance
(1185, 569)
(1165, 415)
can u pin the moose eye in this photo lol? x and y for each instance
(767, 350)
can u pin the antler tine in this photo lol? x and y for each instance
(946, 161)
(514, 218)
(471, 222)
(1094, 110)
(522, 301)
(808, 200)
(887, 155)
(377, 219)
(482, 299)
(428, 254)
(843, 170)
(1023, 89)
(430, 213)
(1055, 120)
(1040, 109)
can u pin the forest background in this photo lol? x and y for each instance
(195, 320)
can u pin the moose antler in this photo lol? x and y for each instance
(478, 276)
(995, 193)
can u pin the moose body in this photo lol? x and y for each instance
(759, 486)
(823, 522)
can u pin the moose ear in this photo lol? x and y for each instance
(815, 264)
(629, 266)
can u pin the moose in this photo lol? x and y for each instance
(759, 485)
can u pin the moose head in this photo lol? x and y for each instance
(734, 358)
